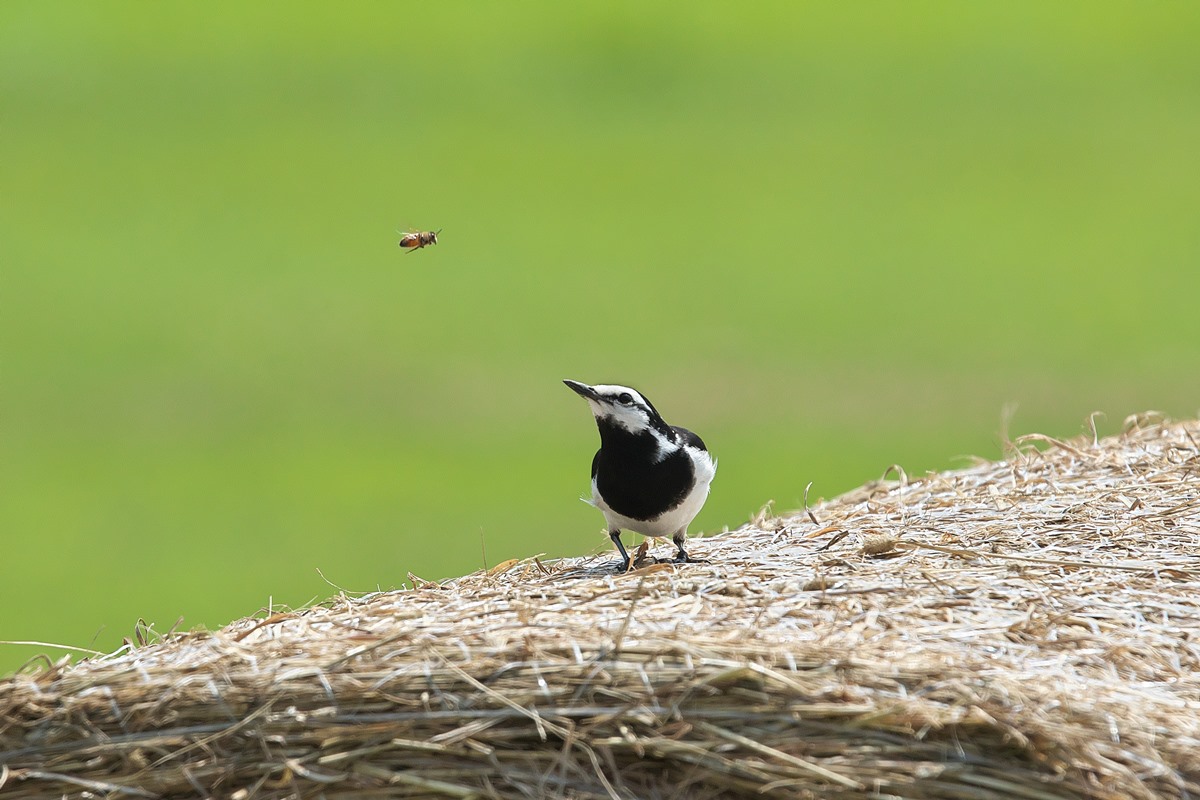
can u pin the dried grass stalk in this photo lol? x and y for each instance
(1032, 631)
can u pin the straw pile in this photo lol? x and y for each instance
(1028, 628)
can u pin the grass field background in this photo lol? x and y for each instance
(829, 238)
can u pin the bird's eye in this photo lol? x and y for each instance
(624, 398)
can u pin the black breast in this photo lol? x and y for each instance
(632, 482)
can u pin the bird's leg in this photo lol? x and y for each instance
(679, 538)
(616, 539)
(682, 557)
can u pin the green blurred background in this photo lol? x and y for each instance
(829, 237)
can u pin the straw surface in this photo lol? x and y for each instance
(1024, 629)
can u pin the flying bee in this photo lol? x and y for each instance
(418, 239)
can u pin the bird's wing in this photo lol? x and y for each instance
(685, 437)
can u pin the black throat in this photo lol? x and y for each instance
(620, 438)
(631, 477)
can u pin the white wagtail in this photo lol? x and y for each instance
(648, 477)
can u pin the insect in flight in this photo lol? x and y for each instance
(415, 240)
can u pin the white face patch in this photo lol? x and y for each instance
(633, 416)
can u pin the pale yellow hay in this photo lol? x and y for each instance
(1028, 628)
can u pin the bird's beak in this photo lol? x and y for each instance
(583, 390)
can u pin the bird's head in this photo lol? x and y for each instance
(622, 407)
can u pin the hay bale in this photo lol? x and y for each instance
(1028, 628)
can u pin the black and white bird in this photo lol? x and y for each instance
(648, 477)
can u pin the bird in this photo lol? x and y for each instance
(647, 477)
